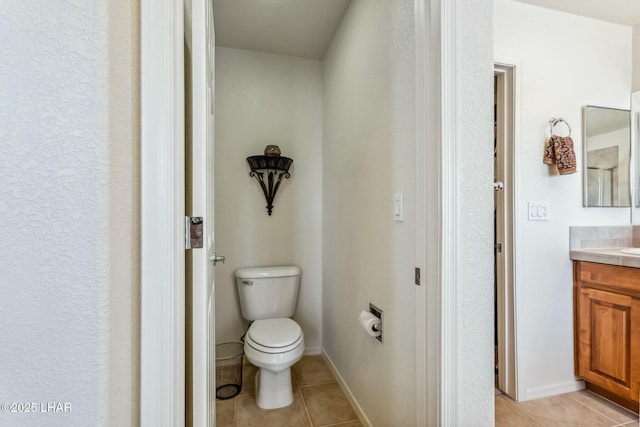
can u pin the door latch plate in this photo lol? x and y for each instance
(194, 232)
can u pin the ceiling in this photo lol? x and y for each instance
(289, 27)
(625, 12)
(305, 28)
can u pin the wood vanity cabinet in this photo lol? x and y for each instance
(607, 330)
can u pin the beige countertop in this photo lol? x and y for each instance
(612, 256)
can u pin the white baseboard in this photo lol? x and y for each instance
(312, 351)
(551, 390)
(354, 403)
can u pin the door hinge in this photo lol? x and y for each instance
(193, 232)
(417, 276)
(498, 248)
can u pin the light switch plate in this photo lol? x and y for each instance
(398, 207)
(538, 211)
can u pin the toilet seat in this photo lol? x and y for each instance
(274, 336)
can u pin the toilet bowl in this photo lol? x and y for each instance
(274, 342)
(274, 345)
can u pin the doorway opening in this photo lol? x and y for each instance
(504, 238)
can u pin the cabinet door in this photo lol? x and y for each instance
(607, 324)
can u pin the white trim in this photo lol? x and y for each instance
(162, 211)
(200, 178)
(508, 362)
(518, 211)
(436, 370)
(436, 213)
(503, 226)
(552, 390)
(421, 17)
(448, 156)
(343, 385)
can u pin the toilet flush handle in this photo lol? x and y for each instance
(247, 282)
(217, 258)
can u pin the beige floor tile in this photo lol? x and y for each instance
(602, 406)
(508, 414)
(225, 412)
(249, 415)
(311, 370)
(327, 404)
(563, 411)
(248, 380)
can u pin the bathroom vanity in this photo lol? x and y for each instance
(606, 264)
(606, 290)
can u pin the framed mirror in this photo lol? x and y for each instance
(635, 157)
(607, 156)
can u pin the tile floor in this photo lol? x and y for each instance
(580, 408)
(317, 401)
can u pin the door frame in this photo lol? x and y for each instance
(162, 316)
(426, 391)
(162, 207)
(438, 371)
(433, 402)
(508, 72)
(199, 174)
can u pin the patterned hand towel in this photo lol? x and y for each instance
(559, 150)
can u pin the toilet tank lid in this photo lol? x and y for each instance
(258, 272)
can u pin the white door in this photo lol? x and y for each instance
(505, 122)
(202, 101)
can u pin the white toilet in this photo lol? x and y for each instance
(274, 342)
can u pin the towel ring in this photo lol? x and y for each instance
(553, 122)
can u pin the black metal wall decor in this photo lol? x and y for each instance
(275, 167)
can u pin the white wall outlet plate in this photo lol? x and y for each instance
(539, 211)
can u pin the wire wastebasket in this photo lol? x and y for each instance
(229, 357)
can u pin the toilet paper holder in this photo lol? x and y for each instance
(380, 315)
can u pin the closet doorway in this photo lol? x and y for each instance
(504, 238)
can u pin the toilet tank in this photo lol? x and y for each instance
(268, 292)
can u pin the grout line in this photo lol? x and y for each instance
(597, 412)
(341, 423)
(298, 389)
(235, 411)
(519, 409)
(315, 384)
(526, 414)
(597, 397)
(306, 410)
(594, 410)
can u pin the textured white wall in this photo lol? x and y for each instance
(474, 151)
(268, 99)
(68, 251)
(368, 155)
(567, 62)
(635, 83)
